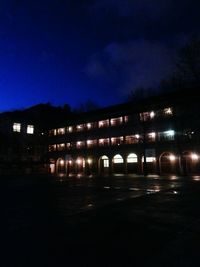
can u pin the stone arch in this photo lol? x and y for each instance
(118, 164)
(169, 163)
(80, 165)
(60, 166)
(190, 162)
(132, 163)
(104, 164)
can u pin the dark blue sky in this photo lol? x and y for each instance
(69, 51)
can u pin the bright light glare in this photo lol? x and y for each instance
(172, 157)
(194, 156)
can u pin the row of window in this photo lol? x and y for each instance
(109, 122)
(17, 128)
(130, 139)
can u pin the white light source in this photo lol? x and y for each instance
(152, 114)
(172, 157)
(194, 156)
(78, 161)
(62, 162)
(89, 161)
(137, 136)
(170, 133)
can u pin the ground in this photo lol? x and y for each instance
(96, 221)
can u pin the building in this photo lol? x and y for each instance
(158, 135)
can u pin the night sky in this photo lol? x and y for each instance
(69, 51)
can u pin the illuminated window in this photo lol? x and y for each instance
(17, 127)
(167, 135)
(132, 158)
(116, 121)
(104, 123)
(30, 129)
(89, 126)
(117, 140)
(69, 129)
(91, 143)
(54, 132)
(118, 159)
(104, 142)
(61, 147)
(145, 116)
(80, 127)
(149, 159)
(80, 144)
(151, 137)
(105, 161)
(126, 118)
(68, 145)
(61, 130)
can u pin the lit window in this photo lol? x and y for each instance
(70, 129)
(89, 126)
(61, 130)
(79, 144)
(104, 123)
(54, 131)
(105, 161)
(147, 115)
(132, 158)
(61, 147)
(149, 159)
(30, 129)
(80, 127)
(116, 121)
(118, 159)
(151, 136)
(17, 127)
(104, 142)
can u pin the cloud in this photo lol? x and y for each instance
(130, 65)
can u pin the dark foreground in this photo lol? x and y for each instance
(118, 221)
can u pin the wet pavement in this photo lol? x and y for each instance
(96, 221)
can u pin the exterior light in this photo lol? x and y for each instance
(194, 156)
(170, 133)
(62, 162)
(137, 136)
(70, 162)
(78, 161)
(152, 114)
(89, 125)
(89, 161)
(172, 157)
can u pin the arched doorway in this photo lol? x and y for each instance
(104, 164)
(191, 162)
(118, 164)
(60, 166)
(132, 163)
(168, 163)
(80, 165)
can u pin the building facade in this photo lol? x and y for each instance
(159, 135)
